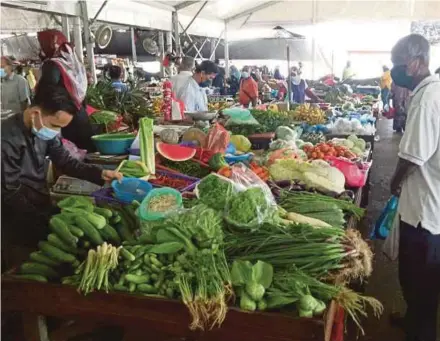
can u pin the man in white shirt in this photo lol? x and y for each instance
(417, 181)
(191, 94)
(185, 71)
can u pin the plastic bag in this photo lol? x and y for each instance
(251, 202)
(385, 222)
(239, 116)
(73, 150)
(355, 175)
(217, 139)
(391, 245)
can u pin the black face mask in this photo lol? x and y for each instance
(401, 78)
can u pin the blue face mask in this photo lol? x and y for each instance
(44, 133)
(401, 78)
(205, 84)
(2, 73)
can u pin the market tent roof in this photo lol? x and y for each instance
(239, 14)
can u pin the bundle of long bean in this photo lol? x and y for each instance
(319, 252)
(288, 200)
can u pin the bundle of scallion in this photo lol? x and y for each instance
(323, 252)
(291, 199)
(295, 286)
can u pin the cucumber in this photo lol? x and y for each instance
(115, 219)
(105, 212)
(132, 287)
(120, 287)
(127, 254)
(76, 231)
(32, 277)
(57, 242)
(58, 226)
(89, 230)
(55, 253)
(137, 279)
(30, 268)
(124, 232)
(39, 257)
(136, 265)
(110, 234)
(146, 288)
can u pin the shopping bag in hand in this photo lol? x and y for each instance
(391, 246)
(385, 222)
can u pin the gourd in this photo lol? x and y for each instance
(169, 136)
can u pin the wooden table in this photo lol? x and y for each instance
(154, 319)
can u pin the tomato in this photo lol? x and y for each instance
(320, 155)
(314, 155)
(325, 148)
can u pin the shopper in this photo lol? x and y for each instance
(385, 86)
(400, 97)
(193, 96)
(62, 67)
(15, 91)
(219, 80)
(348, 72)
(27, 139)
(300, 88)
(248, 93)
(186, 68)
(417, 180)
(115, 73)
(277, 74)
(234, 80)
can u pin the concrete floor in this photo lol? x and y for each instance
(383, 283)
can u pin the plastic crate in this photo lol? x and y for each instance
(176, 175)
(261, 141)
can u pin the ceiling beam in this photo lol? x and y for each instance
(184, 4)
(251, 10)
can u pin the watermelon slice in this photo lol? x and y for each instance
(175, 152)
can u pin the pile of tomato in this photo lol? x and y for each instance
(324, 150)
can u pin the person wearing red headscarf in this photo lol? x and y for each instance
(62, 67)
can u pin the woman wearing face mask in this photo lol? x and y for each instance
(192, 93)
(62, 67)
(28, 139)
(300, 88)
(248, 93)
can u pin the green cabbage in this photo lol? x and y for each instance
(307, 303)
(285, 133)
(246, 303)
(255, 290)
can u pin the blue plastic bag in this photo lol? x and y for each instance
(385, 222)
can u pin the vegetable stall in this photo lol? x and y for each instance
(241, 227)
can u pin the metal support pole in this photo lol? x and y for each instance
(161, 52)
(169, 42)
(77, 39)
(89, 40)
(226, 50)
(289, 79)
(99, 12)
(213, 46)
(175, 23)
(195, 17)
(65, 26)
(133, 46)
(314, 8)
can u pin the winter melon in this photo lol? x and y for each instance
(169, 136)
(175, 152)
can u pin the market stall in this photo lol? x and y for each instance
(223, 221)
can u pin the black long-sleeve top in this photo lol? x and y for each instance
(23, 172)
(79, 131)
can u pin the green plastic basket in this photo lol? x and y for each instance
(146, 215)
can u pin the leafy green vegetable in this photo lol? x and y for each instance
(213, 191)
(255, 290)
(246, 303)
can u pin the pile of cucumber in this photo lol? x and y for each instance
(79, 227)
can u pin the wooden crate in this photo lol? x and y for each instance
(141, 315)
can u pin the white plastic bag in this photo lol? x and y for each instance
(391, 245)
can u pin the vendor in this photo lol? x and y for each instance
(28, 138)
(62, 67)
(300, 88)
(248, 93)
(192, 94)
(15, 91)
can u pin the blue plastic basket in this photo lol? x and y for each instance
(129, 189)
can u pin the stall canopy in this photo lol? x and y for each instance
(210, 20)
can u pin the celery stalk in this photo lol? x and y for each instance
(146, 139)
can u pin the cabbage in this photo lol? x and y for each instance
(255, 290)
(357, 151)
(299, 143)
(246, 303)
(241, 142)
(307, 303)
(320, 308)
(361, 144)
(285, 133)
(305, 313)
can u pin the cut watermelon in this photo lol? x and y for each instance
(174, 152)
